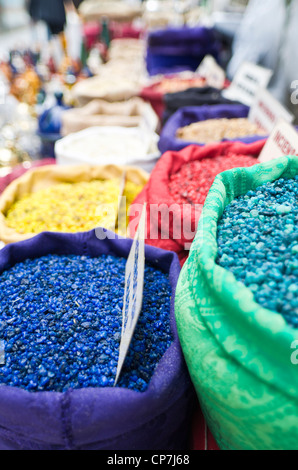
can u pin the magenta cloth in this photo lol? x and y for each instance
(100, 418)
(92, 32)
(19, 170)
(179, 48)
(152, 95)
(191, 114)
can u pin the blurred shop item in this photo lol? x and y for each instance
(229, 6)
(21, 76)
(13, 14)
(49, 125)
(73, 35)
(52, 13)
(19, 142)
(268, 37)
(94, 10)
(259, 37)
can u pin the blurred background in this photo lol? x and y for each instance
(60, 54)
(99, 82)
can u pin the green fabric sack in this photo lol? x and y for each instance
(239, 355)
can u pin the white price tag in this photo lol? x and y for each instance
(2, 352)
(246, 83)
(212, 72)
(282, 141)
(133, 293)
(266, 111)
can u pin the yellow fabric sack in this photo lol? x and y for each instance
(48, 176)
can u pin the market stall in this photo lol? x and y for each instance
(148, 235)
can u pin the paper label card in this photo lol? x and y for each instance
(282, 141)
(212, 72)
(246, 83)
(133, 292)
(266, 111)
(2, 352)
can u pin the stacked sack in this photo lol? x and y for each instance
(155, 92)
(106, 86)
(120, 78)
(66, 199)
(205, 124)
(63, 279)
(130, 113)
(178, 48)
(193, 97)
(236, 307)
(181, 181)
(57, 381)
(114, 10)
(106, 145)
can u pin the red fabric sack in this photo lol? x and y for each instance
(151, 94)
(92, 31)
(201, 437)
(155, 96)
(181, 218)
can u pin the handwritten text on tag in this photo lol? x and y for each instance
(282, 141)
(247, 82)
(267, 111)
(133, 293)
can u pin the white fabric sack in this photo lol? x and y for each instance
(109, 145)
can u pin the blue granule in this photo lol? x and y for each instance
(61, 317)
(258, 243)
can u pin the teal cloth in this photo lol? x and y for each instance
(238, 353)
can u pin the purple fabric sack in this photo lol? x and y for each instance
(166, 64)
(100, 418)
(181, 36)
(182, 47)
(190, 114)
